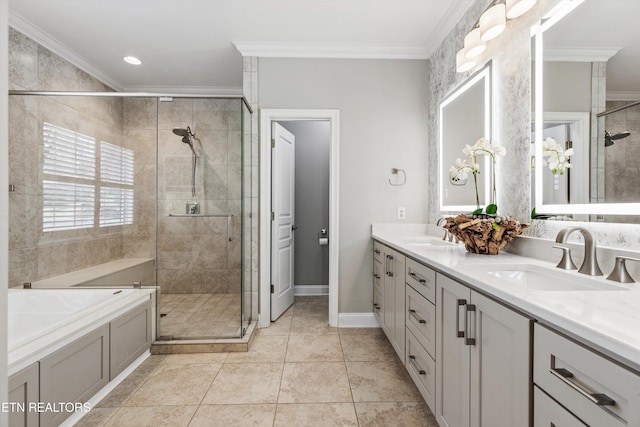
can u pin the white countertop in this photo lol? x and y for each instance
(607, 320)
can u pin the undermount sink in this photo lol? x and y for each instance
(537, 278)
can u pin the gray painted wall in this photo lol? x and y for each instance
(383, 124)
(312, 200)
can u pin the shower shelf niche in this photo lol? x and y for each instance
(229, 219)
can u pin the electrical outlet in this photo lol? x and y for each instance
(402, 212)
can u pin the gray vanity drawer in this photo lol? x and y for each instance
(422, 369)
(570, 372)
(421, 319)
(377, 251)
(547, 412)
(422, 279)
(378, 275)
(377, 305)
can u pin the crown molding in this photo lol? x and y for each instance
(453, 15)
(186, 90)
(579, 54)
(302, 50)
(626, 95)
(36, 34)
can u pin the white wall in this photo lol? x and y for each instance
(567, 86)
(383, 124)
(4, 198)
(313, 139)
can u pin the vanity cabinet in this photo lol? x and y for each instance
(598, 391)
(378, 282)
(420, 320)
(483, 359)
(392, 297)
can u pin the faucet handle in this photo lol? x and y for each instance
(566, 262)
(619, 272)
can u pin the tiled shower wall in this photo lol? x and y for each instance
(34, 254)
(197, 254)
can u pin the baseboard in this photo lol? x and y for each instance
(357, 320)
(310, 290)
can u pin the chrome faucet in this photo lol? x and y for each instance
(590, 263)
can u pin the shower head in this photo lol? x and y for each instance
(187, 137)
(608, 138)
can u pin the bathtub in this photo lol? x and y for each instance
(41, 321)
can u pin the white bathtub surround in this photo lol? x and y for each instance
(604, 319)
(42, 321)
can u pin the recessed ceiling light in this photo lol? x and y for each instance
(132, 60)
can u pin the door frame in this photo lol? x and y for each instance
(266, 117)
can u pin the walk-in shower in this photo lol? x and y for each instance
(193, 207)
(111, 186)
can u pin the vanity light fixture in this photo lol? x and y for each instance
(517, 8)
(473, 44)
(491, 24)
(132, 60)
(463, 64)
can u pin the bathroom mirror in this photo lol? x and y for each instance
(465, 117)
(587, 91)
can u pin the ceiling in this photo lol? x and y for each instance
(187, 46)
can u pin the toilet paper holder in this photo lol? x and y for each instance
(323, 237)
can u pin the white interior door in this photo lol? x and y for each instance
(283, 217)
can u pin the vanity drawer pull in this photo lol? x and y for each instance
(418, 278)
(461, 303)
(564, 375)
(377, 251)
(412, 361)
(377, 276)
(376, 306)
(418, 318)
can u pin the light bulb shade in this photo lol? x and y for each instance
(463, 63)
(493, 22)
(473, 45)
(517, 8)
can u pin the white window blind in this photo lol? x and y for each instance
(116, 206)
(116, 167)
(68, 153)
(67, 206)
(116, 164)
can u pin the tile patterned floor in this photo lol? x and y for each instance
(200, 315)
(298, 372)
